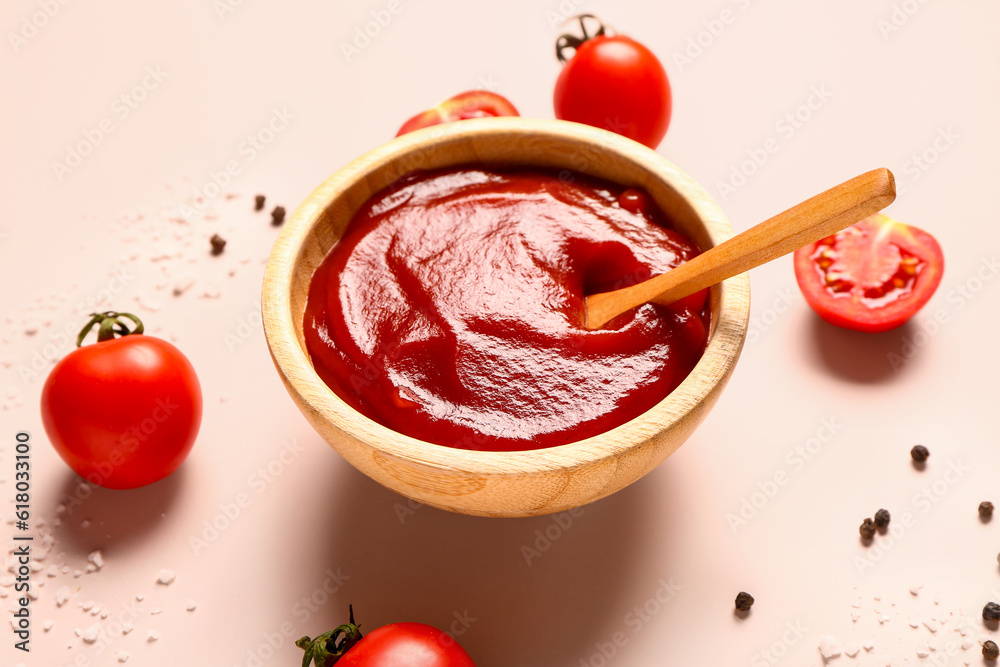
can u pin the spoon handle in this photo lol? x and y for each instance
(816, 218)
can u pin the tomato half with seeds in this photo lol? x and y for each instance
(470, 104)
(873, 276)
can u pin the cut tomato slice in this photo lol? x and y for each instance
(873, 276)
(470, 104)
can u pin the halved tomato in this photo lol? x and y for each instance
(873, 276)
(470, 104)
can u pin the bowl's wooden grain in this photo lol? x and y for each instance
(499, 483)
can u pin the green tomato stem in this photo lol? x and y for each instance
(109, 325)
(326, 649)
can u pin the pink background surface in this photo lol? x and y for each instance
(647, 576)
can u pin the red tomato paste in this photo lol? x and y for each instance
(452, 309)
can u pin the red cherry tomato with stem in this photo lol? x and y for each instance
(123, 412)
(872, 276)
(393, 645)
(613, 82)
(470, 104)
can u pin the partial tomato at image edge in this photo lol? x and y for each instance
(123, 412)
(405, 644)
(873, 276)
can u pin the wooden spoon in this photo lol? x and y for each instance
(816, 218)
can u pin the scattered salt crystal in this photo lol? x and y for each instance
(915, 589)
(97, 559)
(77, 574)
(882, 618)
(931, 624)
(85, 523)
(47, 625)
(122, 656)
(967, 644)
(855, 615)
(152, 636)
(36, 566)
(126, 628)
(851, 650)
(139, 597)
(923, 651)
(857, 603)
(828, 647)
(166, 577)
(91, 568)
(90, 634)
(869, 644)
(52, 571)
(87, 606)
(191, 605)
(156, 610)
(105, 613)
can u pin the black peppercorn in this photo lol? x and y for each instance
(991, 612)
(882, 518)
(278, 215)
(986, 509)
(867, 529)
(744, 601)
(258, 202)
(218, 244)
(990, 650)
(919, 453)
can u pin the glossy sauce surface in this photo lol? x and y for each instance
(451, 310)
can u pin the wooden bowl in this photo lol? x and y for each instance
(499, 483)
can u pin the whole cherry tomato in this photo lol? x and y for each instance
(123, 412)
(393, 645)
(613, 82)
(470, 104)
(873, 276)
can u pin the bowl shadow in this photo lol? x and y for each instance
(527, 591)
(97, 518)
(865, 358)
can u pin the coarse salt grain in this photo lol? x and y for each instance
(166, 577)
(152, 636)
(828, 647)
(122, 656)
(851, 650)
(47, 625)
(96, 558)
(191, 605)
(923, 651)
(91, 634)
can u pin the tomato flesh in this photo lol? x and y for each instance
(470, 104)
(873, 276)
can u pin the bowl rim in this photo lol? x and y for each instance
(295, 367)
